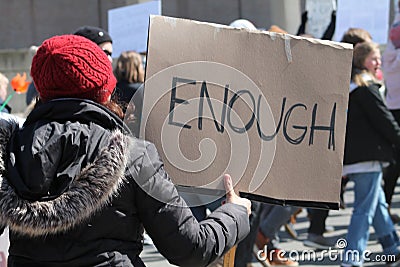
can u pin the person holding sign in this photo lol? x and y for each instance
(79, 188)
(371, 130)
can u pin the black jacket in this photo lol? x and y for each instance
(76, 190)
(371, 130)
(130, 96)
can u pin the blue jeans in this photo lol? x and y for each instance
(272, 217)
(370, 208)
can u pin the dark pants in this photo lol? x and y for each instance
(392, 172)
(244, 251)
(317, 221)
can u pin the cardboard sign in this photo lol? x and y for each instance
(269, 109)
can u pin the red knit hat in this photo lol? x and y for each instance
(72, 66)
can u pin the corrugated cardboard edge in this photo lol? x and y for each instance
(173, 21)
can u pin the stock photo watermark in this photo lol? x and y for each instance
(337, 253)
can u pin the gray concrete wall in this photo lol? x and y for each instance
(263, 13)
(28, 22)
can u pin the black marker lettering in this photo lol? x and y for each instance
(330, 128)
(260, 133)
(175, 100)
(251, 121)
(287, 116)
(204, 92)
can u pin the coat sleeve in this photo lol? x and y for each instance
(380, 116)
(170, 223)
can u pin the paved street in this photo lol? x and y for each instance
(338, 219)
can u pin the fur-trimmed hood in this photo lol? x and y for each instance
(81, 184)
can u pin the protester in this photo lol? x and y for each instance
(243, 24)
(3, 93)
(391, 70)
(5, 113)
(98, 35)
(315, 232)
(356, 35)
(371, 130)
(272, 217)
(352, 36)
(129, 72)
(328, 33)
(79, 189)
(31, 94)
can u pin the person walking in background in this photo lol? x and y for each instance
(31, 94)
(352, 36)
(129, 72)
(391, 71)
(355, 36)
(371, 130)
(5, 113)
(98, 35)
(329, 31)
(79, 188)
(3, 93)
(272, 217)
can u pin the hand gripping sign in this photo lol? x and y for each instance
(270, 109)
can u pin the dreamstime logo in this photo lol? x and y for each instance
(334, 253)
(203, 117)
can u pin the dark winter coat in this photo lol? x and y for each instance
(76, 190)
(371, 128)
(131, 94)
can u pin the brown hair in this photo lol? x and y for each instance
(129, 67)
(356, 35)
(360, 53)
(115, 108)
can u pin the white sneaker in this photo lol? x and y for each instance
(318, 241)
(147, 240)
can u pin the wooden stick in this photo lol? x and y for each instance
(229, 258)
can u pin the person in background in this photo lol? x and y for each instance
(243, 24)
(329, 31)
(5, 113)
(352, 36)
(79, 188)
(370, 132)
(98, 35)
(391, 70)
(272, 217)
(356, 35)
(31, 94)
(129, 72)
(3, 93)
